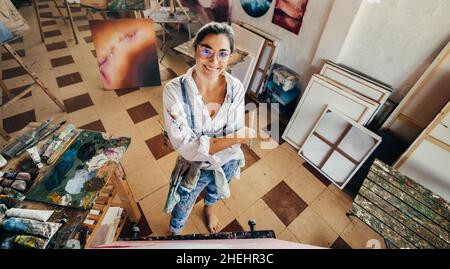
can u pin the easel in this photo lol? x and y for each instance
(173, 8)
(69, 14)
(37, 81)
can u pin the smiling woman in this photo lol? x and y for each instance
(204, 115)
(126, 53)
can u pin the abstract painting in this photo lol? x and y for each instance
(126, 53)
(256, 8)
(209, 10)
(126, 4)
(289, 14)
(11, 22)
(75, 179)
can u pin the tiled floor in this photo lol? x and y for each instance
(277, 189)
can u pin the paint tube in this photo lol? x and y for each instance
(2, 161)
(57, 141)
(35, 157)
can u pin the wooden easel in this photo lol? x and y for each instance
(37, 82)
(173, 7)
(69, 15)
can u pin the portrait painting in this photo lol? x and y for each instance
(289, 14)
(126, 53)
(209, 10)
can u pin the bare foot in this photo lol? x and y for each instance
(211, 219)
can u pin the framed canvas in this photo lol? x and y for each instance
(319, 93)
(338, 146)
(256, 8)
(126, 53)
(288, 14)
(362, 85)
(252, 44)
(209, 10)
(424, 100)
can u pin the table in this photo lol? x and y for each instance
(403, 212)
(116, 183)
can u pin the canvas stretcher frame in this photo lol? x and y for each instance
(354, 105)
(334, 147)
(357, 83)
(437, 138)
(423, 101)
(265, 60)
(252, 44)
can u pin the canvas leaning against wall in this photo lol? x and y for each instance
(126, 53)
(209, 10)
(256, 8)
(289, 14)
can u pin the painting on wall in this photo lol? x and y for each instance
(126, 53)
(289, 14)
(256, 8)
(12, 23)
(209, 10)
(76, 177)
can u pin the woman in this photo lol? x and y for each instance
(204, 116)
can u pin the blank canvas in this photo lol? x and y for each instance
(319, 93)
(250, 43)
(340, 158)
(356, 82)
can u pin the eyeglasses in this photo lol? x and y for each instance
(208, 53)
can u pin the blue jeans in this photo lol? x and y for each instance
(181, 211)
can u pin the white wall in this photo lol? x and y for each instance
(394, 41)
(296, 51)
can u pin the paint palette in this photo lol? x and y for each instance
(77, 177)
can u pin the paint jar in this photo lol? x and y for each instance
(34, 154)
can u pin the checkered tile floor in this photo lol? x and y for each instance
(277, 189)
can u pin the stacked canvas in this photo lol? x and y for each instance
(356, 99)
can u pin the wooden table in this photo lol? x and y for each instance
(404, 212)
(116, 183)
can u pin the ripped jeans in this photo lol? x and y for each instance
(182, 209)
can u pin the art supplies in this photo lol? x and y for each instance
(35, 157)
(3, 161)
(61, 148)
(24, 141)
(56, 142)
(33, 227)
(70, 181)
(42, 136)
(40, 215)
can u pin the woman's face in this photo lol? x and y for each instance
(212, 55)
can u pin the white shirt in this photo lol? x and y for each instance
(193, 144)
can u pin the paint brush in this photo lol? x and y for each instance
(44, 135)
